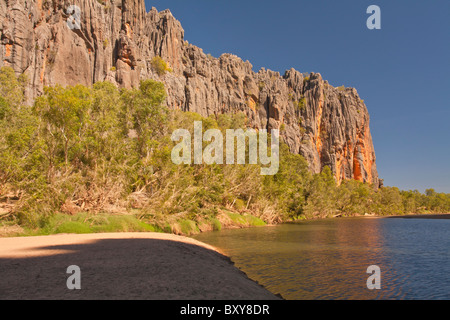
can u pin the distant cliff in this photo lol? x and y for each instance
(118, 41)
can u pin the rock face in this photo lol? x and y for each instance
(117, 41)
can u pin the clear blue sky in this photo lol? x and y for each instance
(401, 71)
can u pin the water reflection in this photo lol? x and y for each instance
(328, 259)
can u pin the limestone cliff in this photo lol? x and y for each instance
(117, 41)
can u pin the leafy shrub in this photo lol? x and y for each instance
(301, 104)
(160, 66)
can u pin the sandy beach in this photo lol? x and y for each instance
(144, 266)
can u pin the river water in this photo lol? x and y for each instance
(328, 259)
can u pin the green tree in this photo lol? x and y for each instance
(144, 114)
(289, 186)
(354, 197)
(103, 138)
(64, 116)
(11, 88)
(321, 195)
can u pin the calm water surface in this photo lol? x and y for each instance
(328, 259)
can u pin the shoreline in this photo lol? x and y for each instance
(374, 216)
(241, 220)
(423, 216)
(149, 266)
(42, 249)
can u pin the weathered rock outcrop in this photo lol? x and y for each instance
(117, 41)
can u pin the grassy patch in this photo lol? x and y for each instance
(83, 223)
(245, 220)
(217, 226)
(73, 227)
(254, 221)
(91, 223)
(188, 227)
(124, 224)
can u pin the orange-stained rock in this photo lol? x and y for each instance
(8, 48)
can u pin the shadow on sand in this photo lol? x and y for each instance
(143, 269)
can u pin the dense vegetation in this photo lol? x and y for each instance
(87, 154)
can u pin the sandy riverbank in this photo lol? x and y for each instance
(149, 266)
